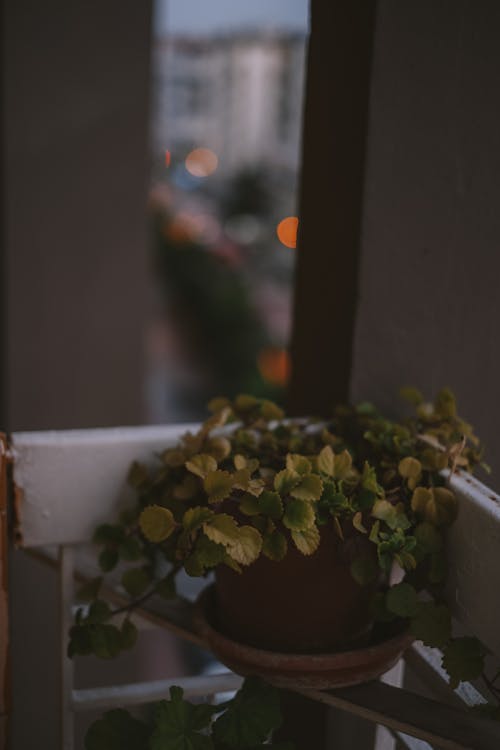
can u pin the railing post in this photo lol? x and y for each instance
(66, 572)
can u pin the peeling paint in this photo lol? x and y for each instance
(4, 612)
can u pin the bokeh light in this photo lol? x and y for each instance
(287, 231)
(274, 365)
(168, 158)
(201, 162)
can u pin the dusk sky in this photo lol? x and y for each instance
(194, 16)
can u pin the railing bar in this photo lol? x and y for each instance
(441, 725)
(411, 743)
(66, 571)
(425, 663)
(176, 617)
(137, 693)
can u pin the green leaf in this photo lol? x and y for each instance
(178, 724)
(365, 499)
(364, 570)
(79, 641)
(306, 541)
(384, 511)
(187, 488)
(343, 465)
(369, 480)
(108, 559)
(242, 481)
(98, 612)
(432, 624)
(218, 403)
(218, 485)
(174, 458)
(107, 533)
(166, 587)
(379, 608)
(270, 504)
(332, 502)
(128, 634)
(135, 581)
(309, 488)
(242, 462)
(326, 461)
(249, 505)
(438, 505)
(247, 547)
(402, 600)
(374, 533)
(209, 553)
(299, 515)
(275, 546)
(105, 640)
(242, 543)
(246, 402)
(270, 411)
(251, 717)
(193, 567)
(411, 395)
(117, 730)
(157, 523)
(286, 480)
(444, 404)
(90, 590)
(463, 659)
(428, 538)
(194, 518)
(411, 470)
(393, 515)
(130, 549)
(138, 475)
(357, 522)
(219, 448)
(222, 529)
(201, 465)
(299, 464)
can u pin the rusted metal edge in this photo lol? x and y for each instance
(4, 593)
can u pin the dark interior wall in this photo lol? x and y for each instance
(429, 305)
(76, 116)
(75, 290)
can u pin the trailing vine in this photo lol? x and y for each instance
(244, 722)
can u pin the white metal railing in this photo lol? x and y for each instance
(89, 467)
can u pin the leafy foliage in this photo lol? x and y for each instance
(117, 730)
(245, 722)
(249, 483)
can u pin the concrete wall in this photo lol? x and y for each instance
(429, 306)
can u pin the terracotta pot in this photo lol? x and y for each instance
(301, 604)
(318, 671)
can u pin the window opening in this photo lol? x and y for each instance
(225, 141)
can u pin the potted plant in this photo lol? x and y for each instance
(320, 532)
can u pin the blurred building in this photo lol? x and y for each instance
(239, 95)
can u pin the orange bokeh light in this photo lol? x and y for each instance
(274, 365)
(201, 162)
(287, 231)
(168, 158)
